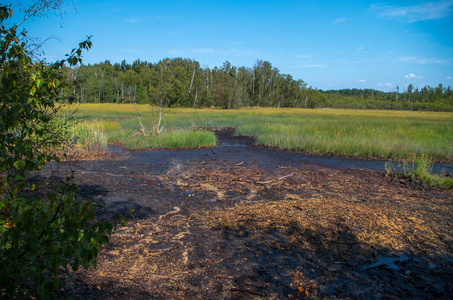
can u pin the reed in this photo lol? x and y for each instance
(90, 138)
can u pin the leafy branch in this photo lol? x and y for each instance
(40, 231)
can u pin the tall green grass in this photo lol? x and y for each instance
(175, 139)
(90, 135)
(420, 169)
(365, 133)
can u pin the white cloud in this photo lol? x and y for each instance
(315, 66)
(384, 84)
(449, 77)
(308, 66)
(420, 60)
(206, 50)
(387, 84)
(132, 51)
(361, 80)
(133, 20)
(340, 20)
(415, 13)
(301, 56)
(412, 75)
(214, 51)
(412, 59)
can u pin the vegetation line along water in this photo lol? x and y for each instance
(392, 135)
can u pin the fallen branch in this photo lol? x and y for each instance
(269, 181)
(174, 211)
(141, 131)
(157, 250)
(141, 124)
(264, 182)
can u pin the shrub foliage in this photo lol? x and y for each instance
(39, 231)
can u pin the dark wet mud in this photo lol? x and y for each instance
(240, 222)
(229, 144)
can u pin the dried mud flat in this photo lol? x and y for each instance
(238, 222)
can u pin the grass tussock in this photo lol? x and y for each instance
(420, 170)
(90, 137)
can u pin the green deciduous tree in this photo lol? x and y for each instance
(181, 82)
(39, 232)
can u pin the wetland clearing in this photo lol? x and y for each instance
(236, 221)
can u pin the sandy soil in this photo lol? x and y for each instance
(239, 222)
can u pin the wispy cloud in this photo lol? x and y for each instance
(448, 77)
(308, 66)
(415, 13)
(340, 20)
(360, 49)
(215, 51)
(361, 80)
(133, 20)
(301, 56)
(412, 75)
(384, 84)
(207, 50)
(421, 60)
(132, 51)
(231, 51)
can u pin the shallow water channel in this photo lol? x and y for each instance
(230, 147)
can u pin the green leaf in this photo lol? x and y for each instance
(11, 290)
(20, 164)
(33, 90)
(38, 232)
(19, 178)
(39, 83)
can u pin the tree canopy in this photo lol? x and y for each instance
(179, 82)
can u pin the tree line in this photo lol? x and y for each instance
(179, 82)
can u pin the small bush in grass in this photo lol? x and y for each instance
(91, 136)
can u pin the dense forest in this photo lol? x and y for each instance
(181, 82)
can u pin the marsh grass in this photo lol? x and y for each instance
(90, 138)
(419, 169)
(175, 139)
(363, 133)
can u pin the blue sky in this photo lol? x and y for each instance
(328, 44)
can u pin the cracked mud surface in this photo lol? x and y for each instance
(237, 222)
